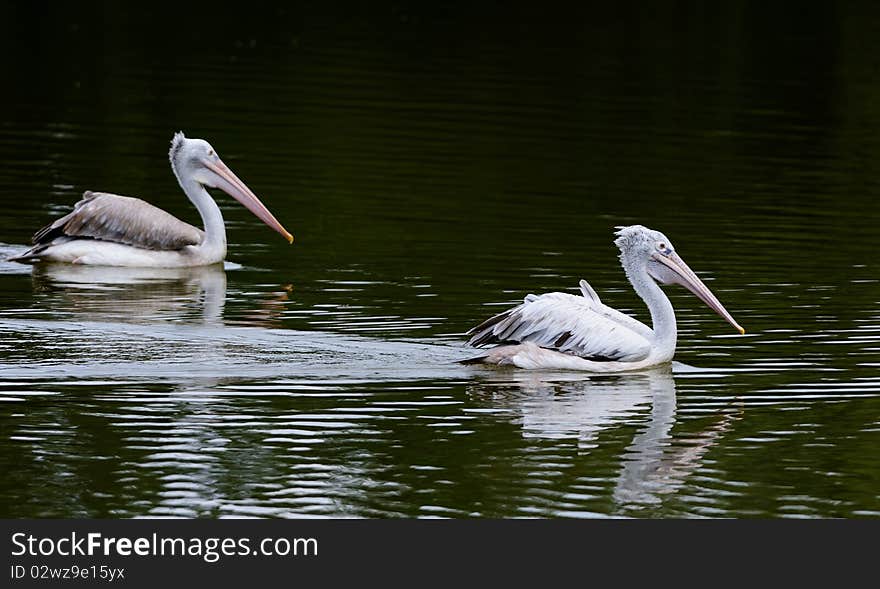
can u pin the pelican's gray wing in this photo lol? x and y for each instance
(121, 219)
(575, 325)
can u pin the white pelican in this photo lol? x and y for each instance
(111, 230)
(560, 330)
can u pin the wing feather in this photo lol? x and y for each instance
(121, 219)
(588, 291)
(577, 325)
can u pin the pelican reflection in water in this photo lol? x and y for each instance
(560, 330)
(111, 230)
(656, 464)
(144, 295)
(134, 295)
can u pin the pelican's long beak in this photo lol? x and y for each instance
(229, 183)
(686, 277)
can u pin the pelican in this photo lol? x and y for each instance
(561, 330)
(111, 230)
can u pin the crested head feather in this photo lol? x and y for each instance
(626, 234)
(176, 144)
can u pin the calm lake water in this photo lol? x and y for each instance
(435, 167)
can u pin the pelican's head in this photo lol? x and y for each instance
(195, 159)
(643, 248)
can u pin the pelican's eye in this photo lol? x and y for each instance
(664, 248)
(210, 153)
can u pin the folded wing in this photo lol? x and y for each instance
(121, 219)
(581, 326)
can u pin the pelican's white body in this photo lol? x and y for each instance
(136, 215)
(108, 253)
(600, 327)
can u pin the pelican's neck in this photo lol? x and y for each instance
(662, 314)
(212, 219)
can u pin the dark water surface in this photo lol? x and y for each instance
(434, 167)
